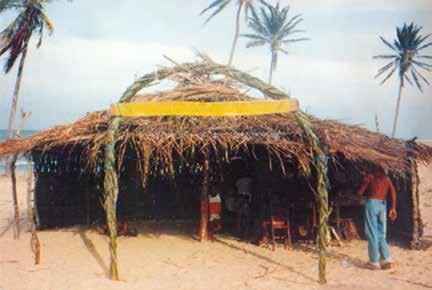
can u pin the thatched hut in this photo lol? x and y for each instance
(165, 163)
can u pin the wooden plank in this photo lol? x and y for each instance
(184, 108)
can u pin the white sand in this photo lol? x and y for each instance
(78, 259)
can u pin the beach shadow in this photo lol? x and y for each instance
(92, 249)
(413, 283)
(336, 256)
(267, 259)
(154, 229)
(425, 243)
(7, 228)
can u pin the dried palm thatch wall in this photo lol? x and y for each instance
(100, 139)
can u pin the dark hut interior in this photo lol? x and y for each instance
(68, 192)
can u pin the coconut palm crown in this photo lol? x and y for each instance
(218, 5)
(16, 36)
(407, 59)
(274, 27)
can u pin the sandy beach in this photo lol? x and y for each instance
(170, 257)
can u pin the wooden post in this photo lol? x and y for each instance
(203, 230)
(31, 211)
(30, 191)
(414, 189)
(15, 197)
(321, 196)
(35, 243)
(111, 192)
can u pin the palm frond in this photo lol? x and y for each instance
(407, 79)
(424, 46)
(385, 56)
(384, 68)
(212, 5)
(219, 5)
(388, 43)
(286, 41)
(420, 75)
(16, 36)
(255, 43)
(254, 36)
(413, 74)
(47, 22)
(388, 75)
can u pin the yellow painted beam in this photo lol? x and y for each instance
(205, 109)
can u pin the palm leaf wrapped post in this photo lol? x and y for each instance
(111, 192)
(320, 163)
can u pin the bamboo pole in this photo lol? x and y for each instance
(203, 230)
(111, 192)
(320, 163)
(35, 244)
(30, 191)
(15, 197)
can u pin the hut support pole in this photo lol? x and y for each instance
(35, 244)
(15, 197)
(203, 230)
(111, 192)
(417, 225)
(30, 191)
(320, 163)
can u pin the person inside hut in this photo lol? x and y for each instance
(244, 193)
(215, 210)
(379, 185)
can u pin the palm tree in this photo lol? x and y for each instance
(274, 28)
(407, 59)
(219, 5)
(15, 38)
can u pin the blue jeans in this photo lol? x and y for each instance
(375, 228)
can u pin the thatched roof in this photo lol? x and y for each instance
(161, 138)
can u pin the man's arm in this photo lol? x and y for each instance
(392, 212)
(364, 185)
(392, 194)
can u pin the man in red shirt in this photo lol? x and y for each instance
(379, 185)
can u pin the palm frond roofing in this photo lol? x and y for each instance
(161, 138)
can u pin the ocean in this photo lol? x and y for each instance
(21, 164)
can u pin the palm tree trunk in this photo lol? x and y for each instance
(397, 109)
(272, 66)
(12, 115)
(237, 33)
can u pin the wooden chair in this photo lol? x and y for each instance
(279, 227)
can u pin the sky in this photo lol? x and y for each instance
(100, 47)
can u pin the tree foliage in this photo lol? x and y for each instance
(272, 26)
(15, 37)
(407, 58)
